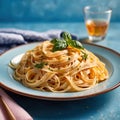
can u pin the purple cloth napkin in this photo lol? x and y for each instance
(11, 37)
(18, 112)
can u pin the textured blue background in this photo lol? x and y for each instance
(51, 10)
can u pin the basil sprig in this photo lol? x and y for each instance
(59, 44)
(64, 42)
(40, 65)
(84, 56)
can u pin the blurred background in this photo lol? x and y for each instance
(65, 15)
(51, 10)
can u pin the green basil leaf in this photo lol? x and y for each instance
(84, 56)
(55, 40)
(66, 36)
(76, 44)
(60, 45)
(40, 65)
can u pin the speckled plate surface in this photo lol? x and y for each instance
(108, 56)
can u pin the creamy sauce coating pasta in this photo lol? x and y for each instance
(66, 70)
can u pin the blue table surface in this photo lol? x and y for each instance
(102, 107)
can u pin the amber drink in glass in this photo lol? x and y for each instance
(97, 21)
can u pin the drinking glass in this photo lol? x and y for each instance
(97, 20)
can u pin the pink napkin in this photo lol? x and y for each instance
(19, 112)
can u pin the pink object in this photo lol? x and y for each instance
(18, 112)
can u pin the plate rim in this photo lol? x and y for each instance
(61, 98)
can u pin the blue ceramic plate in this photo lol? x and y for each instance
(108, 56)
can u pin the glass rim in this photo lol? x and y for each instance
(103, 10)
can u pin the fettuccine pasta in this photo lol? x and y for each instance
(67, 70)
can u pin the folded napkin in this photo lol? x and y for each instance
(18, 112)
(10, 37)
